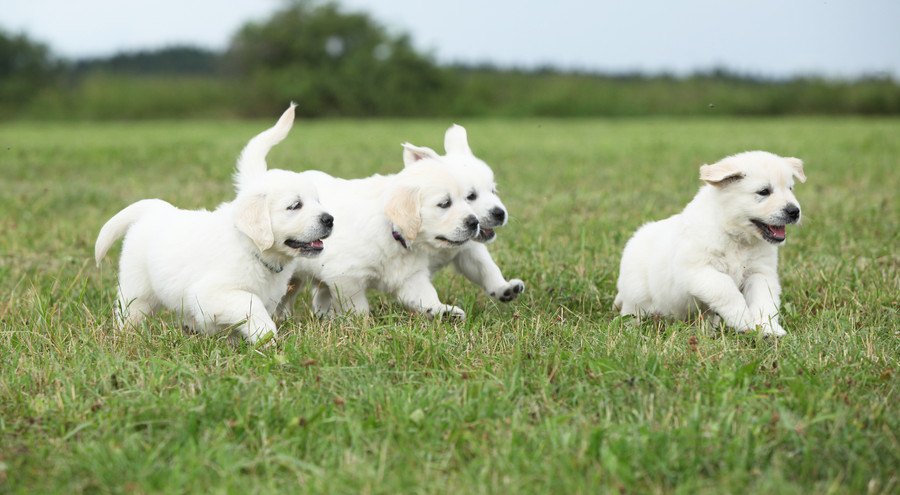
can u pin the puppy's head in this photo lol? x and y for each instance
(280, 212)
(427, 205)
(473, 175)
(755, 191)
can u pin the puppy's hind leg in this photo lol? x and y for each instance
(240, 308)
(130, 312)
(135, 298)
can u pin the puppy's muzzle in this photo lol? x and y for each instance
(469, 230)
(496, 217)
(315, 246)
(791, 213)
(471, 223)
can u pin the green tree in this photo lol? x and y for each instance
(333, 63)
(26, 67)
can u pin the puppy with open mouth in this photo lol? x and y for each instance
(719, 255)
(227, 268)
(391, 234)
(477, 179)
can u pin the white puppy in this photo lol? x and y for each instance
(721, 253)
(393, 232)
(477, 179)
(390, 229)
(221, 268)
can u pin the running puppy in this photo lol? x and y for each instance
(222, 268)
(720, 254)
(393, 232)
(388, 229)
(476, 178)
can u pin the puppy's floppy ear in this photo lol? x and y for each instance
(720, 173)
(251, 217)
(413, 153)
(402, 210)
(797, 168)
(456, 140)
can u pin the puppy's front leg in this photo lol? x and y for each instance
(718, 291)
(321, 299)
(762, 292)
(476, 264)
(285, 309)
(418, 294)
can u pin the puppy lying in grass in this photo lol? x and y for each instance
(224, 268)
(393, 232)
(720, 254)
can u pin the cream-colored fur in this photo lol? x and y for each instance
(437, 220)
(224, 268)
(719, 255)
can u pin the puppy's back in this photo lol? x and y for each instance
(118, 225)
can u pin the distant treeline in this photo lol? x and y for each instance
(346, 64)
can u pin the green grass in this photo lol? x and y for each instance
(552, 393)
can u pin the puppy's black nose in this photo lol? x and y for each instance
(471, 222)
(498, 214)
(792, 211)
(326, 220)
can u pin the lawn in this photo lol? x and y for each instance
(551, 393)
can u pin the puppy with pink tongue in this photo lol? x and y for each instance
(720, 255)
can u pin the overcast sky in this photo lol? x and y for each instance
(763, 37)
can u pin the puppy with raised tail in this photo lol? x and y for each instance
(719, 255)
(472, 260)
(224, 268)
(394, 232)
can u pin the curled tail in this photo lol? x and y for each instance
(252, 161)
(119, 224)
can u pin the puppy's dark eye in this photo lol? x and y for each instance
(296, 205)
(472, 196)
(764, 191)
(445, 204)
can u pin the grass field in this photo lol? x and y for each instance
(550, 394)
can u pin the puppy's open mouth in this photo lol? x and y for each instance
(485, 234)
(310, 248)
(772, 233)
(452, 243)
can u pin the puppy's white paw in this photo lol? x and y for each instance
(772, 329)
(744, 325)
(446, 311)
(510, 291)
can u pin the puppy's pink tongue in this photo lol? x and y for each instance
(316, 244)
(777, 230)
